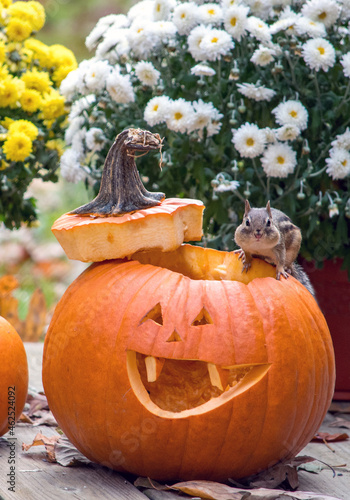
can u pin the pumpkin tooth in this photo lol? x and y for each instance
(218, 377)
(153, 367)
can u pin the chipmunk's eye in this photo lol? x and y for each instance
(247, 223)
(268, 223)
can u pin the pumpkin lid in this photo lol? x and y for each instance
(125, 218)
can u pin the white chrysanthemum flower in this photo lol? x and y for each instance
(216, 43)
(270, 135)
(95, 139)
(259, 8)
(249, 140)
(104, 24)
(256, 92)
(194, 41)
(225, 186)
(142, 10)
(259, 29)
(114, 44)
(278, 160)
(72, 83)
(163, 30)
(227, 4)
(307, 26)
(70, 166)
(185, 17)
(181, 115)
(345, 62)
(287, 133)
(210, 13)
(338, 164)
(318, 53)
(342, 140)
(323, 11)
(78, 141)
(81, 105)
(291, 113)
(286, 21)
(235, 21)
(345, 9)
(120, 87)
(202, 70)
(75, 124)
(205, 115)
(157, 110)
(96, 75)
(95, 36)
(263, 56)
(162, 9)
(147, 73)
(142, 39)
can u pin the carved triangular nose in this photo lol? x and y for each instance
(174, 337)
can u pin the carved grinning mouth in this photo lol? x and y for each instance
(178, 388)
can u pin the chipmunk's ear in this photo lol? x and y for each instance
(268, 209)
(246, 208)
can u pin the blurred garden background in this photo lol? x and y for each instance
(34, 271)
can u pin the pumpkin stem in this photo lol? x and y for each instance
(121, 189)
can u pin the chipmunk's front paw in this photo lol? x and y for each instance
(280, 273)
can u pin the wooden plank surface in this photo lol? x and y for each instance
(37, 479)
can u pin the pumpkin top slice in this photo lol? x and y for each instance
(125, 218)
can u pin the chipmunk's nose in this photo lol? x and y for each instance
(258, 234)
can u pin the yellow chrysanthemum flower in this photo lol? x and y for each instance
(17, 147)
(32, 12)
(30, 100)
(3, 71)
(24, 126)
(56, 145)
(60, 74)
(6, 3)
(52, 106)
(2, 51)
(6, 122)
(39, 51)
(10, 91)
(18, 29)
(61, 56)
(3, 165)
(37, 80)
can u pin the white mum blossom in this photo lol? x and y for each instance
(194, 41)
(227, 4)
(235, 21)
(185, 17)
(163, 30)
(286, 22)
(307, 26)
(249, 140)
(291, 113)
(78, 141)
(142, 38)
(256, 92)
(81, 105)
(345, 62)
(259, 29)
(259, 8)
(104, 24)
(147, 73)
(318, 54)
(216, 43)
(338, 164)
(162, 9)
(206, 116)
(95, 36)
(114, 45)
(120, 87)
(70, 166)
(263, 56)
(75, 124)
(226, 185)
(342, 140)
(181, 115)
(157, 110)
(142, 10)
(345, 9)
(287, 133)
(278, 160)
(323, 11)
(202, 70)
(95, 139)
(72, 83)
(96, 75)
(210, 13)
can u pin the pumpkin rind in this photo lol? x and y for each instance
(107, 312)
(13, 375)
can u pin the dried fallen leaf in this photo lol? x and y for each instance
(43, 417)
(339, 408)
(36, 402)
(48, 442)
(327, 437)
(67, 455)
(24, 419)
(36, 318)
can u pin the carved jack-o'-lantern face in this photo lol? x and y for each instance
(171, 365)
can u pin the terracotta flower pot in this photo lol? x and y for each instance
(333, 294)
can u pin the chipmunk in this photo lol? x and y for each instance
(269, 234)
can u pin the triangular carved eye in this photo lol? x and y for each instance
(155, 314)
(174, 337)
(203, 318)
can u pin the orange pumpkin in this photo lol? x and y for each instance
(13, 376)
(178, 366)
